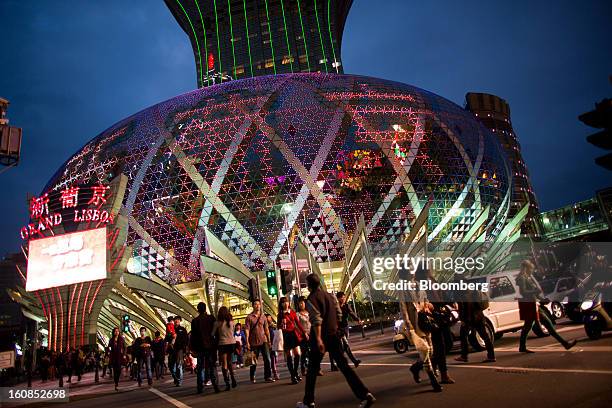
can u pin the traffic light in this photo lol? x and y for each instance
(601, 118)
(271, 281)
(253, 285)
(125, 323)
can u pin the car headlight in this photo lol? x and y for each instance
(586, 305)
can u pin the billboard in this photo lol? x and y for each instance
(66, 259)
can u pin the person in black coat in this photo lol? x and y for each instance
(116, 346)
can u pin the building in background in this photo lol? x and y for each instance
(22, 322)
(243, 39)
(494, 113)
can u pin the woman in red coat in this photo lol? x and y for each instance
(531, 293)
(293, 334)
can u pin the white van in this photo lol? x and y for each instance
(503, 312)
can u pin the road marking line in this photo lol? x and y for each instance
(168, 398)
(375, 352)
(568, 328)
(538, 370)
(491, 367)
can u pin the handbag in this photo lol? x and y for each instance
(426, 322)
(250, 359)
(278, 342)
(443, 317)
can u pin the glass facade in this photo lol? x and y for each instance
(245, 161)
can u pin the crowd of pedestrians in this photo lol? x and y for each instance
(301, 336)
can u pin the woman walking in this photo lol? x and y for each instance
(116, 346)
(531, 293)
(223, 330)
(293, 333)
(304, 345)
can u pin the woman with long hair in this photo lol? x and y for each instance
(305, 322)
(223, 330)
(116, 345)
(293, 333)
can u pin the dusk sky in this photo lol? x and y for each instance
(72, 69)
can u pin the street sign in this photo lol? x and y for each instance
(7, 359)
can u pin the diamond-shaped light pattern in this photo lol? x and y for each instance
(249, 159)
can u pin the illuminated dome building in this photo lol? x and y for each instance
(218, 182)
(219, 163)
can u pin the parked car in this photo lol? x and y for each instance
(556, 290)
(502, 315)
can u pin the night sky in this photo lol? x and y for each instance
(72, 69)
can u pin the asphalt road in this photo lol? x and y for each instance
(552, 377)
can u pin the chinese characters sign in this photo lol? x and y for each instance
(75, 204)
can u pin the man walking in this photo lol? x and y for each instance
(325, 315)
(258, 340)
(142, 352)
(177, 352)
(347, 312)
(202, 343)
(471, 314)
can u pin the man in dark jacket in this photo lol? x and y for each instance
(325, 315)
(158, 348)
(347, 312)
(471, 313)
(177, 353)
(142, 352)
(202, 343)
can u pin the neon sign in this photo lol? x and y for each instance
(69, 205)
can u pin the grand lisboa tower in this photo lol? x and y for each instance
(279, 161)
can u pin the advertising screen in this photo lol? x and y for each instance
(66, 259)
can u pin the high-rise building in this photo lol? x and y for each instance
(494, 113)
(246, 38)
